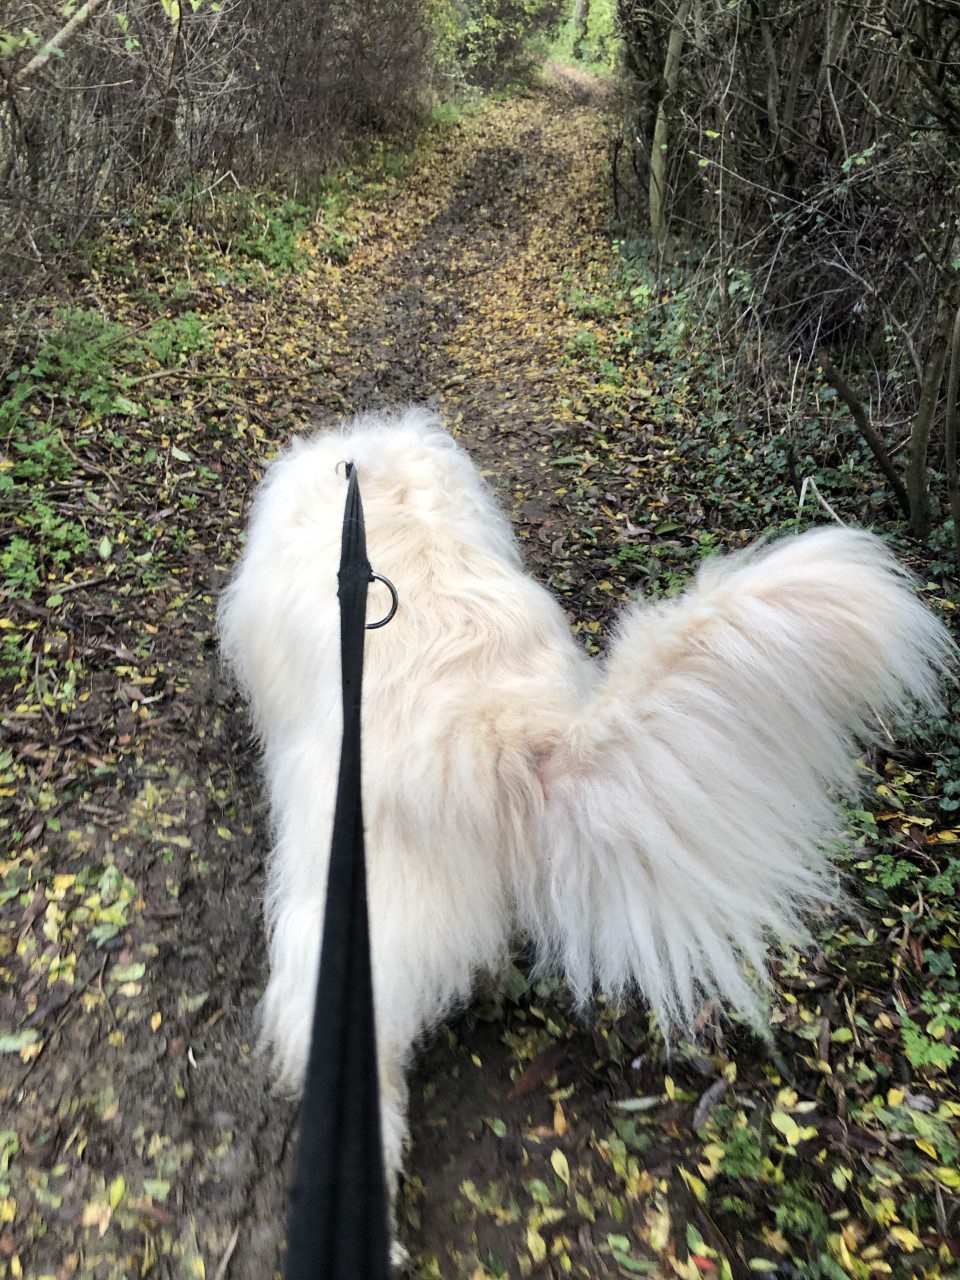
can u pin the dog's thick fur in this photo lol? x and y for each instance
(649, 821)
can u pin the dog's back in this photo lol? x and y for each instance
(465, 693)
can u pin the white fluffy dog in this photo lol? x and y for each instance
(649, 821)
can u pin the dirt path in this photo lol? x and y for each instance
(141, 1137)
(138, 1137)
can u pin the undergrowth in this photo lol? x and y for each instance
(838, 1155)
(74, 374)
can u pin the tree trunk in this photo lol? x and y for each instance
(918, 486)
(658, 151)
(581, 20)
(951, 432)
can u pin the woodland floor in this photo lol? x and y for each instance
(139, 1136)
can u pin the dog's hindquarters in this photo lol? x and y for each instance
(688, 807)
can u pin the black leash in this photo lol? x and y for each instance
(338, 1227)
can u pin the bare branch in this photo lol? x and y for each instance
(56, 44)
(866, 428)
(952, 430)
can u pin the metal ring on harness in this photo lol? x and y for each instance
(394, 601)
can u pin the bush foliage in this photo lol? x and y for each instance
(104, 102)
(805, 156)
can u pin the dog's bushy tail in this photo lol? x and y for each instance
(686, 813)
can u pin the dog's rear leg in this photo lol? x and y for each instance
(394, 1096)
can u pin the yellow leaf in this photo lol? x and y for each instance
(906, 1238)
(560, 1167)
(31, 1051)
(886, 1211)
(787, 1126)
(96, 1215)
(659, 1224)
(839, 1247)
(696, 1185)
(536, 1244)
(560, 1125)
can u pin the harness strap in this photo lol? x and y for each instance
(338, 1205)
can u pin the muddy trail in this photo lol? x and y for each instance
(141, 1137)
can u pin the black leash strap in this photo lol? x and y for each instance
(338, 1212)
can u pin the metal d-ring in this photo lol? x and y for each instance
(394, 601)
